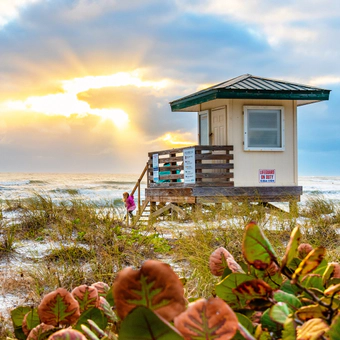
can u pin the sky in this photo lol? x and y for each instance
(85, 85)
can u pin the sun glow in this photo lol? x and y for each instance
(67, 103)
(177, 139)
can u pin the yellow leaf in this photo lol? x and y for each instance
(309, 312)
(292, 247)
(312, 329)
(332, 290)
(309, 263)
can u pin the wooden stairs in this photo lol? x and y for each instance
(148, 211)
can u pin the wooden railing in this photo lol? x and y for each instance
(137, 187)
(212, 167)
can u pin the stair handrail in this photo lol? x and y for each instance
(137, 186)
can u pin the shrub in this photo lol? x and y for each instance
(262, 297)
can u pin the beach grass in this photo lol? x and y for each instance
(86, 243)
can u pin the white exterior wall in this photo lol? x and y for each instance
(248, 163)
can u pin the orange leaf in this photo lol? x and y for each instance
(253, 289)
(312, 329)
(59, 307)
(87, 297)
(155, 286)
(217, 261)
(207, 319)
(309, 263)
(37, 332)
(67, 334)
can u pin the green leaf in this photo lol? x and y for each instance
(261, 334)
(312, 281)
(95, 333)
(224, 289)
(292, 247)
(144, 324)
(93, 314)
(294, 264)
(256, 248)
(289, 288)
(89, 334)
(105, 306)
(279, 313)
(273, 280)
(291, 300)
(289, 330)
(334, 330)
(243, 333)
(309, 263)
(226, 272)
(321, 268)
(245, 322)
(32, 319)
(109, 297)
(17, 316)
(268, 323)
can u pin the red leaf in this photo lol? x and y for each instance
(218, 261)
(87, 297)
(67, 334)
(207, 319)
(59, 307)
(155, 286)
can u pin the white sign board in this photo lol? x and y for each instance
(189, 166)
(267, 176)
(155, 167)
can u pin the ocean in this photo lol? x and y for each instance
(101, 188)
(97, 188)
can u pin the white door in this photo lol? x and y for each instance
(218, 126)
(219, 135)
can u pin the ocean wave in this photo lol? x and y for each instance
(69, 191)
(14, 183)
(37, 181)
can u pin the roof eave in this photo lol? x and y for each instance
(307, 96)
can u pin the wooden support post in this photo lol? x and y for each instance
(153, 208)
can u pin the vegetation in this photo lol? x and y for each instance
(90, 245)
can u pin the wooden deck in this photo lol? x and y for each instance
(213, 181)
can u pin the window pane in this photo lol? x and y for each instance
(264, 139)
(204, 137)
(263, 119)
(264, 128)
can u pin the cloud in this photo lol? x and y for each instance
(10, 9)
(64, 57)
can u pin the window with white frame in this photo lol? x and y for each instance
(263, 128)
(203, 127)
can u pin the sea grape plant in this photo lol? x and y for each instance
(296, 297)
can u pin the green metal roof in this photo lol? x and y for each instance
(251, 87)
